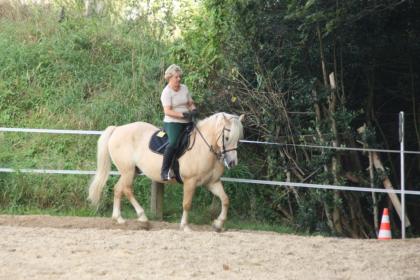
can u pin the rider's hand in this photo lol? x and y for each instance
(187, 115)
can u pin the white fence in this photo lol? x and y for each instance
(403, 192)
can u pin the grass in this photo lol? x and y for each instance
(24, 210)
(81, 74)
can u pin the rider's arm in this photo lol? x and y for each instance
(171, 113)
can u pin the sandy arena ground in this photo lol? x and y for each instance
(45, 247)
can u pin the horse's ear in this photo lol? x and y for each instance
(242, 117)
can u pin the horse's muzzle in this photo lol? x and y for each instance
(230, 163)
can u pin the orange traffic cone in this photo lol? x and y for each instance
(385, 230)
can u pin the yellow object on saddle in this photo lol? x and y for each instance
(161, 133)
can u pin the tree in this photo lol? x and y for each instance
(311, 72)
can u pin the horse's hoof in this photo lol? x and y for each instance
(120, 221)
(186, 228)
(143, 219)
(217, 229)
(217, 226)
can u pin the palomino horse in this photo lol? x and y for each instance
(214, 143)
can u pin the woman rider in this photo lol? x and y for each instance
(179, 108)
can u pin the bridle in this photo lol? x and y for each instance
(220, 155)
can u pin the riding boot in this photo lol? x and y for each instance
(167, 162)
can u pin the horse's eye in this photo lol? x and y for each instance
(227, 138)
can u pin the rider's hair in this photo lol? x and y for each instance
(172, 70)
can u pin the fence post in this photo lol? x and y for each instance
(156, 203)
(402, 174)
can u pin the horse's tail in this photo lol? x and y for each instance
(104, 166)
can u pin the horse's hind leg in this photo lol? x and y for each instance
(128, 191)
(217, 189)
(125, 180)
(125, 186)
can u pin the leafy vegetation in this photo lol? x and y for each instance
(314, 72)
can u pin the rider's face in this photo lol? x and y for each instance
(175, 80)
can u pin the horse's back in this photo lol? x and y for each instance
(137, 126)
(134, 131)
(126, 140)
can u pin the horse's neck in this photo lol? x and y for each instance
(207, 131)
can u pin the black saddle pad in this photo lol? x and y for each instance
(159, 141)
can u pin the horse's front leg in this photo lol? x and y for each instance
(218, 190)
(189, 189)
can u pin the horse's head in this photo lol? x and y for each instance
(229, 131)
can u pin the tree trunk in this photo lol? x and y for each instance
(388, 185)
(321, 53)
(416, 115)
(374, 201)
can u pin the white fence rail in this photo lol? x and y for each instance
(226, 179)
(402, 191)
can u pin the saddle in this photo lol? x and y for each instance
(159, 141)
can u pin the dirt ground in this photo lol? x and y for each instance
(46, 247)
